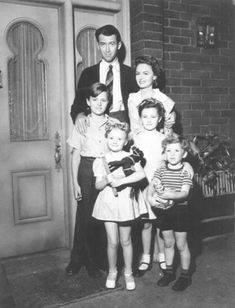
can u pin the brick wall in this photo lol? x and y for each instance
(200, 80)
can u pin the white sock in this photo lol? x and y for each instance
(145, 258)
(161, 257)
(162, 260)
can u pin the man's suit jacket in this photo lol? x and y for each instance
(89, 76)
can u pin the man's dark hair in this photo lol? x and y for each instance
(108, 30)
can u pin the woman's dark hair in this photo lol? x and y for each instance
(108, 30)
(157, 70)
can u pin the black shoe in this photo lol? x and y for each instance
(166, 279)
(182, 283)
(73, 269)
(141, 272)
(135, 272)
(94, 272)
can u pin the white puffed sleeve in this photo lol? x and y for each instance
(98, 167)
(75, 140)
(133, 102)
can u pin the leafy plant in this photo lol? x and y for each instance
(210, 154)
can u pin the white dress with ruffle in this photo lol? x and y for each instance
(122, 208)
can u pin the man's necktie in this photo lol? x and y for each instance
(109, 83)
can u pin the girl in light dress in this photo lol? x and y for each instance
(149, 140)
(115, 204)
(150, 79)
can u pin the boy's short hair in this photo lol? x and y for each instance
(151, 103)
(95, 89)
(108, 30)
(175, 138)
(156, 68)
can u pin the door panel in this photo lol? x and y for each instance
(32, 212)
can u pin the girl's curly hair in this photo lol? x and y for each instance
(123, 126)
(151, 103)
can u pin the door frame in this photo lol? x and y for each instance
(121, 11)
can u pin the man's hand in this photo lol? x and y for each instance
(77, 192)
(170, 120)
(81, 123)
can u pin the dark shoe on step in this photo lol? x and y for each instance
(135, 272)
(141, 272)
(73, 269)
(166, 279)
(182, 283)
(94, 272)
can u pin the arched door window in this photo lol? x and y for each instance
(87, 47)
(27, 83)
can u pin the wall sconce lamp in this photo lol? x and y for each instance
(206, 33)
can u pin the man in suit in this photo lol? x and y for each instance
(123, 83)
(120, 83)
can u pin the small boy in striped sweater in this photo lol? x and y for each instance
(171, 207)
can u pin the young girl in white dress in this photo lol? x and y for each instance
(115, 205)
(149, 140)
(150, 79)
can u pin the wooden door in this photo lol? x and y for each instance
(32, 189)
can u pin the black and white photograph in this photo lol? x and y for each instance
(117, 156)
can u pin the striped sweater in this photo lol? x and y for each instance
(172, 178)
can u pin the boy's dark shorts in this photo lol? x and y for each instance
(176, 218)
